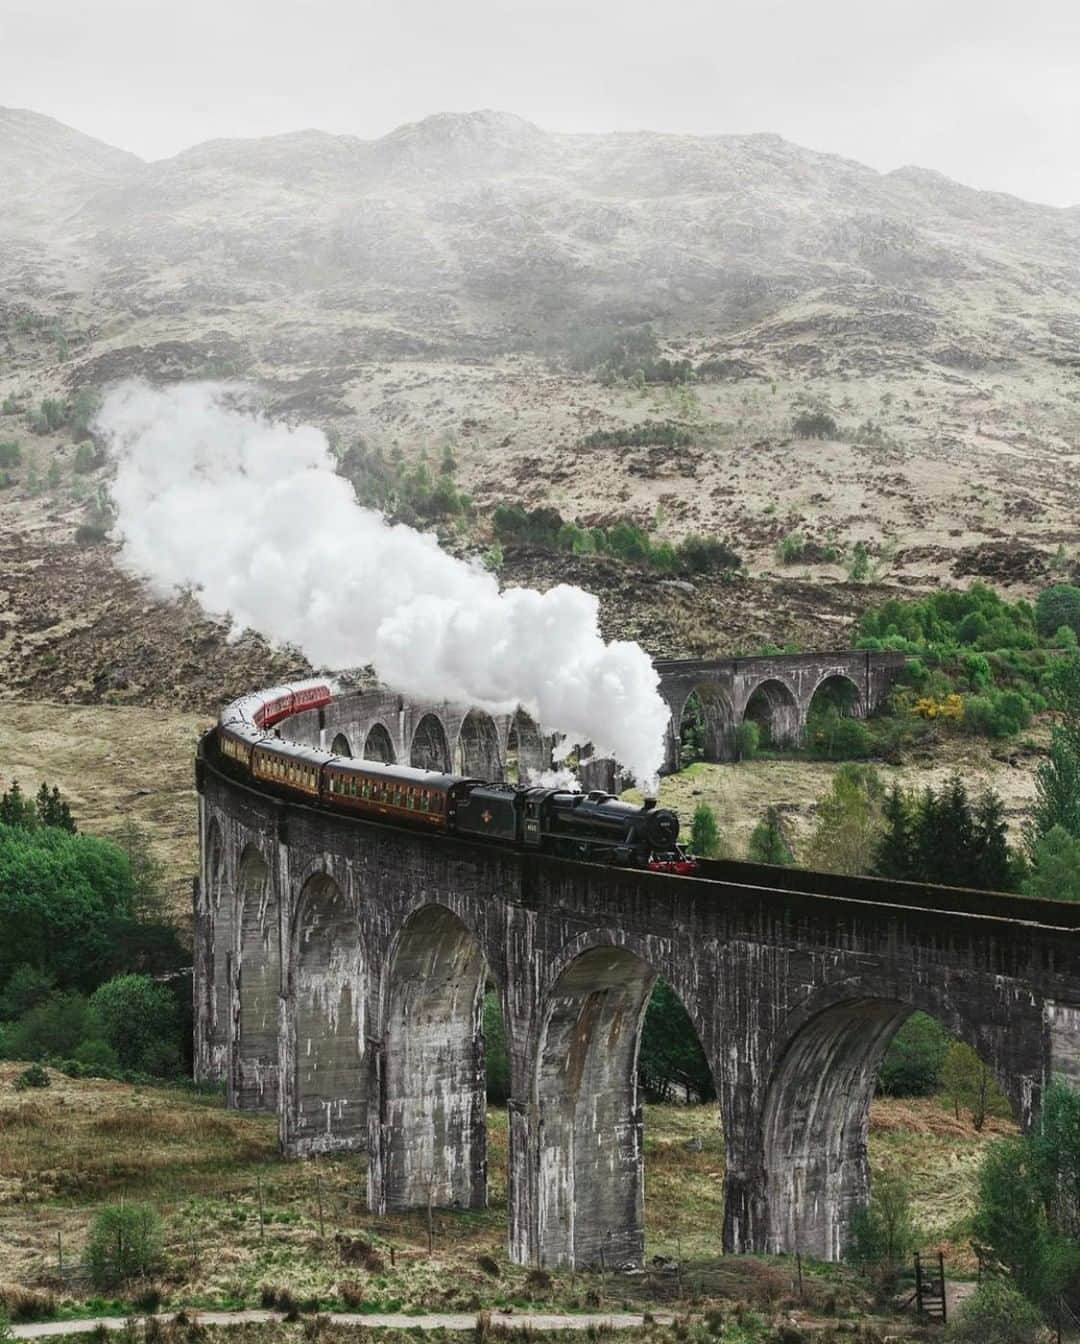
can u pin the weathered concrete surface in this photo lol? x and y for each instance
(378, 941)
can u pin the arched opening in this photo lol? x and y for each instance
(476, 752)
(378, 746)
(430, 749)
(817, 1118)
(706, 726)
(220, 911)
(340, 746)
(832, 729)
(773, 709)
(328, 994)
(589, 1188)
(258, 986)
(432, 1141)
(525, 756)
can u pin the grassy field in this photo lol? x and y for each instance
(68, 1149)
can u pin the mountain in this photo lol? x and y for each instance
(44, 163)
(473, 280)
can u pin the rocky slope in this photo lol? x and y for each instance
(436, 285)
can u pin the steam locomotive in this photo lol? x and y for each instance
(594, 826)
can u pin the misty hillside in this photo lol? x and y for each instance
(485, 227)
(471, 281)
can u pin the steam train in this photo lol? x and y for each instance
(593, 826)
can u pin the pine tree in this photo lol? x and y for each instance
(944, 836)
(52, 810)
(894, 853)
(993, 867)
(704, 832)
(768, 844)
(15, 810)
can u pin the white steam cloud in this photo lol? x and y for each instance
(251, 514)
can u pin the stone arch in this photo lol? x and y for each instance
(717, 718)
(476, 751)
(589, 1187)
(430, 749)
(340, 746)
(773, 706)
(379, 746)
(221, 912)
(815, 1119)
(258, 985)
(841, 691)
(431, 1143)
(327, 993)
(525, 755)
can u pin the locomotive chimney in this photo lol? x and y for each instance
(649, 804)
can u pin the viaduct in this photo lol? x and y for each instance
(775, 691)
(341, 966)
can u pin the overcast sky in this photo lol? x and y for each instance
(987, 91)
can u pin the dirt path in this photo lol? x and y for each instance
(378, 1320)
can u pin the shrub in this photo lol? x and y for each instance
(664, 433)
(10, 454)
(790, 549)
(140, 1020)
(124, 1243)
(34, 1076)
(85, 458)
(837, 737)
(814, 425)
(89, 534)
(995, 1313)
(706, 555)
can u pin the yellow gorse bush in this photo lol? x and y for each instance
(949, 707)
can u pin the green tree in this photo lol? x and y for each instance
(882, 1233)
(1057, 780)
(125, 1243)
(848, 822)
(747, 740)
(768, 843)
(141, 1021)
(1055, 867)
(66, 905)
(1057, 606)
(704, 832)
(894, 853)
(913, 1062)
(1028, 1210)
(971, 1085)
